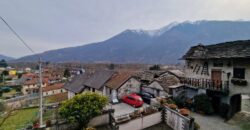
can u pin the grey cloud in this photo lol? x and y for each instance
(50, 24)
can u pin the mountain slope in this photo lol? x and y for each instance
(165, 45)
(7, 58)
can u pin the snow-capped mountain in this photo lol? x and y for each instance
(165, 45)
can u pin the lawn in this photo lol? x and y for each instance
(49, 114)
(20, 119)
(245, 126)
(56, 98)
(11, 93)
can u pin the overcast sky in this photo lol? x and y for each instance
(52, 24)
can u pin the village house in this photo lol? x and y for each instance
(76, 85)
(166, 85)
(30, 83)
(54, 89)
(222, 71)
(120, 84)
(147, 76)
(89, 81)
(116, 84)
(96, 82)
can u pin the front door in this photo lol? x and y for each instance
(216, 78)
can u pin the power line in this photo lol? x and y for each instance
(15, 33)
(40, 71)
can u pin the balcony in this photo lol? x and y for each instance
(214, 85)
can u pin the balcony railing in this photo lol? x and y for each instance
(215, 85)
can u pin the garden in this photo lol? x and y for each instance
(18, 119)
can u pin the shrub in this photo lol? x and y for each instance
(18, 88)
(2, 106)
(83, 107)
(202, 103)
(224, 108)
(196, 126)
(6, 89)
(170, 101)
(179, 102)
(48, 123)
(90, 128)
(155, 67)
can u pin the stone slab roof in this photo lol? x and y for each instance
(99, 78)
(234, 49)
(76, 85)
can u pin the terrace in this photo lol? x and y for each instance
(214, 85)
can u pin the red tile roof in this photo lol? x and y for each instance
(53, 87)
(118, 79)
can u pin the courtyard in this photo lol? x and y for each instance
(123, 108)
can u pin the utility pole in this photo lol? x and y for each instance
(40, 70)
(40, 94)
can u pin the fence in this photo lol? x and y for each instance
(177, 121)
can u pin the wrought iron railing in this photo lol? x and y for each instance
(216, 85)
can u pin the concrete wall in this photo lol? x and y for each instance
(99, 120)
(141, 123)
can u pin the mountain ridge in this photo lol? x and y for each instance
(163, 46)
(7, 58)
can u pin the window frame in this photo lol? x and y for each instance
(239, 70)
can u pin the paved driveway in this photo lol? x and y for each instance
(123, 108)
(213, 123)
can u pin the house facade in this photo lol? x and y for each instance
(89, 81)
(54, 89)
(222, 71)
(168, 84)
(121, 84)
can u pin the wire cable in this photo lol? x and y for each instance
(15, 33)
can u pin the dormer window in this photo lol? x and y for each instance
(199, 53)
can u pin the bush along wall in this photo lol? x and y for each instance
(202, 104)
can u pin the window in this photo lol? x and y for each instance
(239, 73)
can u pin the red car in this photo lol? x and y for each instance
(133, 100)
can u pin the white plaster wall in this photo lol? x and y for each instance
(70, 94)
(141, 123)
(233, 89)
(131, 86)
(99, 120)
(152, 88)
(53, 92)
(32, 86)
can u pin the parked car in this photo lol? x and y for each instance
(133, 100)
(146, 97)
